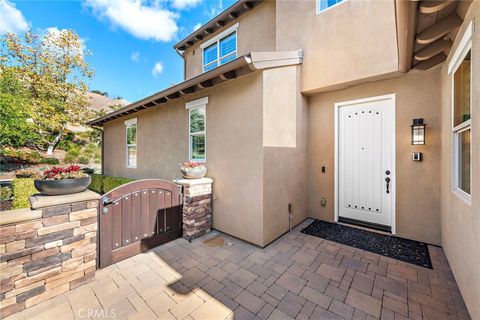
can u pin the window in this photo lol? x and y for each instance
(131, 142)
(323, 5)
(197, 129)
(221, 49)
(460, 69)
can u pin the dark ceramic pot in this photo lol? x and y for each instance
(60, 187)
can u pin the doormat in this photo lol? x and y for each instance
(410, 251)
(214, 242)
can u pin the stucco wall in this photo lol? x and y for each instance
(234, 151)
(354, 40)
(284, 160)
(418, 183)
(460, 220)
(256, 32)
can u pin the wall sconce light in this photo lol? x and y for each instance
(418, 131)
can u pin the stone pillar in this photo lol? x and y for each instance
(48, 249)
(197, 207)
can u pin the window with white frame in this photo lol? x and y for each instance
(131, 142)
(323, 5)
(197, 133)
(220, 49)
(460, 69)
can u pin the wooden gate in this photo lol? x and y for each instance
(138, 216)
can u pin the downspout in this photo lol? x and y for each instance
(406, 20)
(101, 147)
(182, 55)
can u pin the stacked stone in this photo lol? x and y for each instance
(47, 256)
(197, 207)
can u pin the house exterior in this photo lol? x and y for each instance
(305, 109)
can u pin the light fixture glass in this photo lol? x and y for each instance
(418, 132)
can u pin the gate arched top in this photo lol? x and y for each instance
(138, 185)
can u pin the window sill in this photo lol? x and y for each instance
(465, 197)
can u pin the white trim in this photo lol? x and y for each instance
(128, 124)
(463, 46)
(337, 106)
(220, 35)
(318, 11)
(217, 39)
(196, 103)
(190, 106)
(131, 121)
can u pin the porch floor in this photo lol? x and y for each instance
(296, 277)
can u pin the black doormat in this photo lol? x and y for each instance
(397, 248)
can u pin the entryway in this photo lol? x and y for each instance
(365, 162)
(138, 216)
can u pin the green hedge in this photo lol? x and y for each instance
(51, 161)
(22, 190)
(102, 184)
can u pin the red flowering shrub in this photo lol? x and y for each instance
(58, 173)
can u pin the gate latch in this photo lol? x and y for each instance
(105, 203)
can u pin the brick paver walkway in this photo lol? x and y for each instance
(296, 277)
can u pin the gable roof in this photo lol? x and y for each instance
(240, 66)
(228, 15)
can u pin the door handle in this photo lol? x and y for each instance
(387, 180)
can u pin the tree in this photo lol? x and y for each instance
(52, 69)
(15, 110)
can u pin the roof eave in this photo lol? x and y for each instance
(225, 17)
(242, 65)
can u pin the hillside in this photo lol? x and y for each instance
(102, 103)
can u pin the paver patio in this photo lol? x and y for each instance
(296, 277)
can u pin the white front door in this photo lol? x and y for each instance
(366, 161)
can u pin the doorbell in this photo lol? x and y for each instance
(417, 156)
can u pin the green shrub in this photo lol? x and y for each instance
(97, 183)
(5, 193)
(22, 190)
(84, 159)
(50, 161)
(102, 184)
(110, 183)
(72, 155)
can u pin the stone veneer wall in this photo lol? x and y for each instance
(47, 250)
(197, 207)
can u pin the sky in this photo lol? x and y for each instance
(131, 41)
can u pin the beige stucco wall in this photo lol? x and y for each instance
(284, 159)
(417, 183)
(460, 220)
(354, 40)
(234, 151)
(256, 32)
(256, 172)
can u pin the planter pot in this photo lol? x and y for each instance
(194, 173)
(61, 187)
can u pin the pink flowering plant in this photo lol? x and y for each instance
(190, 164)
(59, 173)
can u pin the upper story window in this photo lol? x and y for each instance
(323, 5)
(131, 142)
(460, 69)
(220, 49)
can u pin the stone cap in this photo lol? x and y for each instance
(41, 201)
(193, 182)
(19, 215)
